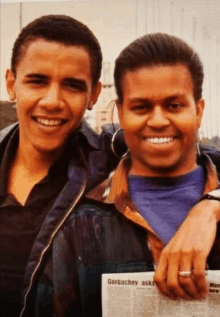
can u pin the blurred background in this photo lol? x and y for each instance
(116, 23)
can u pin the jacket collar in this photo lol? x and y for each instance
(89, 134)
(115, 189)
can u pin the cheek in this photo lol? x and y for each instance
(20, 108)
(132, 136)
(133, 127)
(25, 98)
(189, 130)
(188, 122)
(132, 123)
(77, 110)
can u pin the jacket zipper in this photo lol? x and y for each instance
(50, 241)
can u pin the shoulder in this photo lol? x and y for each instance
(7, 132)
(94, 139)
(5, 135)
(213, 153)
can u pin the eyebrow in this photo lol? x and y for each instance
(173, 97)
(35, 75)
(170, 98)
(69, 80)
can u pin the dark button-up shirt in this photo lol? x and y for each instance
(20, 224)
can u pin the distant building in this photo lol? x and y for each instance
(105, 109)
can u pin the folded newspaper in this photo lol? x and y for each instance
(136, 295)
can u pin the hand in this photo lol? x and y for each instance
(188, 251)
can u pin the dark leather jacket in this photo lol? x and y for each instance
(94, 162)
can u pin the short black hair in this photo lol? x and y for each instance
(61, 29)
(158, 49)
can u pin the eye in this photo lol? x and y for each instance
(36, 81)
(143, 107)
(174, 106)
(75, 84)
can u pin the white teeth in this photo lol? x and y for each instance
(47, 122)
(160, 140)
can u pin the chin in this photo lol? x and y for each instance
(47, 150)
(167, 169)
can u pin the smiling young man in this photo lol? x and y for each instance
(53, 86)
(130, 223)
(52, 156)
(159, 81)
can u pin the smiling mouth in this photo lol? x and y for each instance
(160, 140)
(49, 122)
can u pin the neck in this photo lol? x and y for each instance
(161, 171)
(35, 163)
(28, 168)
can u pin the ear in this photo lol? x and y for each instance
(10, 83)
(94, 95)
(200, 105)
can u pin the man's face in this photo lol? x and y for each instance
(52, 88)
(160, 119)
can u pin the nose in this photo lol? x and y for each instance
(158, 118)
(52, 99)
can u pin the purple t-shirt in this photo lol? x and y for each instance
(165, 202)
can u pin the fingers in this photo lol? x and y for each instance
(166, 276)
(160, 276)
(187, 283)
(199, 274)
(171, 284)
(180, 286)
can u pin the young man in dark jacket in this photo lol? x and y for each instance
(129, 222)
(51, 157)
(48, 161)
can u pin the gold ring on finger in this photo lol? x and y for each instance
(185, 273)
